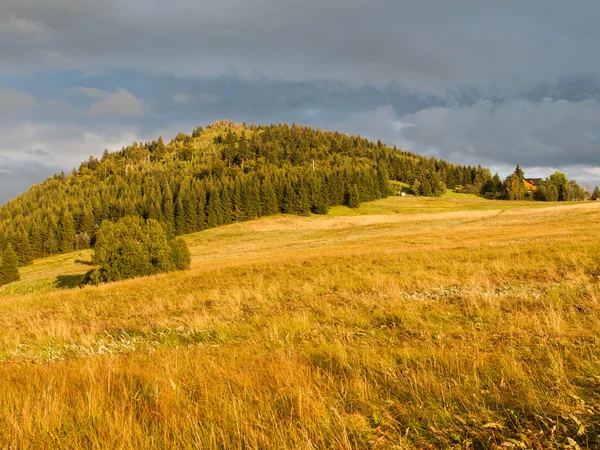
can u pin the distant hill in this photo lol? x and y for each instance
(220, 174)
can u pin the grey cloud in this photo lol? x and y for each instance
(68, 143)
(39, 153)
(203, 97)
(13, 103)
(19, 169)
(542, 136)
(429, 46)
(60, 108)
(19, 177)
(89, 92)
(25, 29)
(513, 131)
(121, 103)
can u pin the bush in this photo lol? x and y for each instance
(133, 247)
(180, 255)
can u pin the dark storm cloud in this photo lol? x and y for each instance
(474, 81)
(428, 45)
(17, 176)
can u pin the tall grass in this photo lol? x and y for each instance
(474, 329)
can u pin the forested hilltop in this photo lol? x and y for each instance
(218, 175)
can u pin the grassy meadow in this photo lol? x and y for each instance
(410, 323)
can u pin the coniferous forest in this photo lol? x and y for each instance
(221, 174)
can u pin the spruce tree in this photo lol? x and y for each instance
(226, 204)
(167, 204)
(37, 244)
(23, 247)
(268, 199)
(179, 220)
(9, 271)
(304, 199)
(320, 204)
(67, 233)
(236, 200)
(353, 198)
(87, 221)
(288, 205)
(213, 209)
(190, 211)
(160, 150)
(383, 182)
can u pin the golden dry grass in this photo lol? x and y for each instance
(411, 323)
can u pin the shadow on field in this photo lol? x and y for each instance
(85, 263)
(69, 281)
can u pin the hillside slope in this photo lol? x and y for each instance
(458, 323)
(223, 174)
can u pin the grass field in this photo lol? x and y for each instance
(409, 323)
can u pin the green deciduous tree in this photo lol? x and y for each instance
(180, 255)
(562, 185)
(514, 187)
(133, 247)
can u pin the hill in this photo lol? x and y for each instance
(405, 323)
(223, 174)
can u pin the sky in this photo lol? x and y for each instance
(490, 82)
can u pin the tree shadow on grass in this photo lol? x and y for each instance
(85, 263)
(70, 281)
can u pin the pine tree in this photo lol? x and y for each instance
(226, 205)
(50, 241)
(9, 271)
(179, 220)
(335, 188)
(320, 205)
(304, 199)
(383, 182)
(596, 194)
(250, 199)
(36, 239)
(268, 199)
(23, 247)
(519, 173)
(514, 188)
(213, 209)
(87, 223)
(67, 232)
(288, 205)
(190, 210)
(353, 198)
(160, 150)
(236, 201)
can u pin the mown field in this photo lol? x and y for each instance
(410, 323)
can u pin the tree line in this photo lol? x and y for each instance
(222, 174)
(227, 173)
(557, 187)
